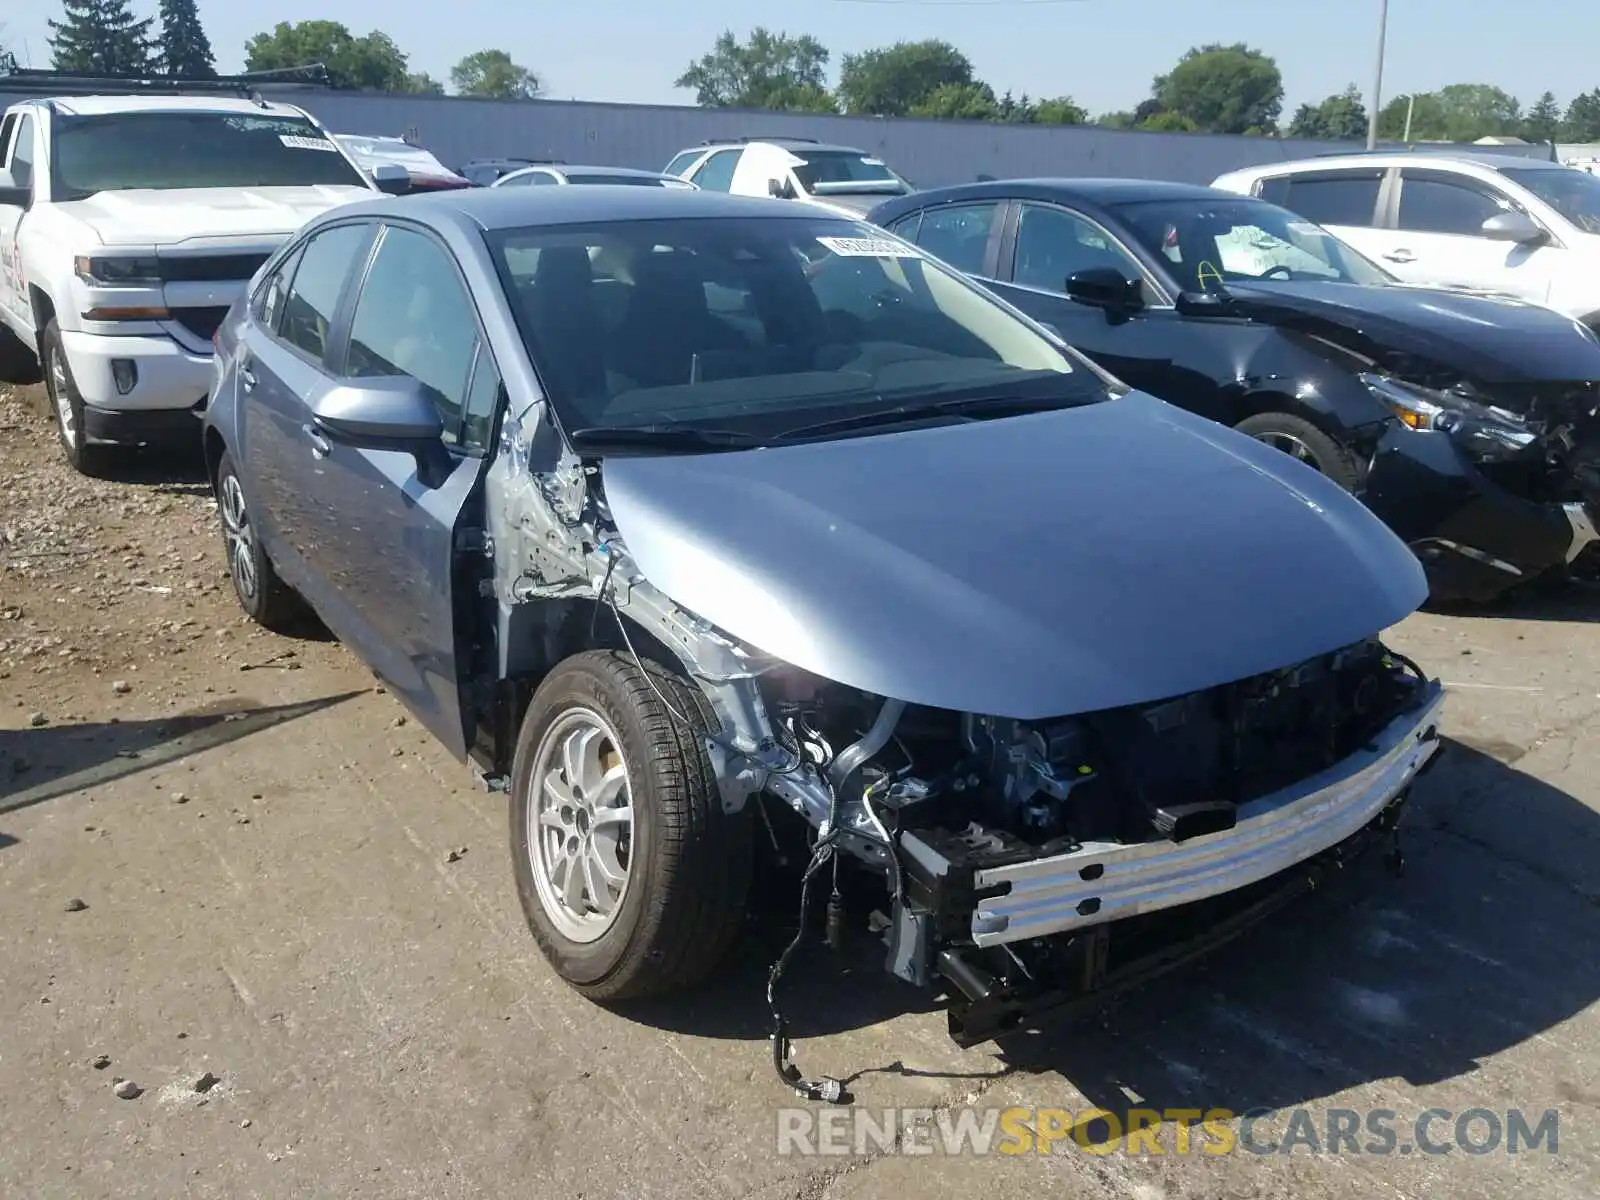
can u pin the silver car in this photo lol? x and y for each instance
(690, 517)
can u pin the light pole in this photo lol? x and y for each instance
(1377, 76)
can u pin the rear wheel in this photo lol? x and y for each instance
(18, 362)
(1299, 438)
(265, 598)
(68, 405)
(632, 877)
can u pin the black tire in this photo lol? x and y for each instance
(18, 363)
(66, 402)
(1300, 439)
(688, 862)
(265, 598)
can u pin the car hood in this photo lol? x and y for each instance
(160, 217)
(1031, 566)
(1491, 339)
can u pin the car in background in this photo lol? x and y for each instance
(1466, 422)
(427, 173)
(687, 516)
(1489, 222)
(611, 176)
(839, 178)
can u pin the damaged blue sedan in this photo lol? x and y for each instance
(690, 518)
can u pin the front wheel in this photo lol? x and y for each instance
(632, 877)
(1299, 438)
(68, 405)
(265, 598)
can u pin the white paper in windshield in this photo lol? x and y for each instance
(846, 247)
(306, 143)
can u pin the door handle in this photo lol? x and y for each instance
(1401, 256)
(321, 447)
(247, 377)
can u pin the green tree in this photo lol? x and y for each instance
(1223, 89)
(424, 84)
(492, 74)
(894, 80)
(770, 70)
(1427, 118)
(1060, 110)
(1582, 122)
(1543, 122)
(1475, 110)
(372, 62)
(1117, 120)
(1339, 118)
(1167, 121)
(183, 46)
(101, 36)
(960, 102)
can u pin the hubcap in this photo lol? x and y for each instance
(1292, 446)
(57, 375)
(580, 825)
(239, 538)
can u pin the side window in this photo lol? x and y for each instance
(907, 227)
(682, 162)
(716, 173)
(517, 181)
(269, 300)
(1433, 205)
(482, 396)
(313, 296)
(22, 154)
(5, 135)
(416, 318)
(1350, 199)
(1052, 244)
(958, 234)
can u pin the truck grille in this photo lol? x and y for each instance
(211, 268)
(202, 322)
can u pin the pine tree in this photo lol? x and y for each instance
(101, 36)
(184, 48)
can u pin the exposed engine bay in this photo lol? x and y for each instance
(1007, 848)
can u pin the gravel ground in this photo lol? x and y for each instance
(260, 939)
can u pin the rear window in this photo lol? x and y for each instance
(622, 180)
(166, 150)
(1349, 199)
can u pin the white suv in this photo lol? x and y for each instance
(839, 178)
(1489, 222)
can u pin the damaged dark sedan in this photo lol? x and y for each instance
(1467, 422)
(700, 522)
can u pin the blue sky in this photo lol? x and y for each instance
(1103, 53)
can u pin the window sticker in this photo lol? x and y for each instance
(307, 143)
(846, 247)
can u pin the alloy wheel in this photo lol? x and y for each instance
(239, 537)
(61, 395)
(1292, 446)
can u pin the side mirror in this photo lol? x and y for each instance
(392, 413)
(1107, 288)
(1513, 227)
(780, 189)
(392, 179)
(13, 196)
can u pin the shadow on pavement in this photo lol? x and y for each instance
(1420, 977)
(166, 471)
(1570, 601)
(40, 764)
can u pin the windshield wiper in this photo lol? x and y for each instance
(687, 438)
(969, 407)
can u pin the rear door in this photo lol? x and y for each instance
(1438, 218)
(397, 544)
(964, 235)
(1347, 203)
(283, 371)
(16, 156)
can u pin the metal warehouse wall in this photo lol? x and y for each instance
(929, 153)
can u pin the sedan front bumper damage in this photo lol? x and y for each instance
(1105, 882)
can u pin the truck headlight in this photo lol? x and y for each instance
(1483, 427)
(118, 270)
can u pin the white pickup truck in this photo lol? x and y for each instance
(128, 226)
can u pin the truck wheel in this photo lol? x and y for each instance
(68, 405)
(1299, 438)
(18, 362)
(632, 877)
(265, 598)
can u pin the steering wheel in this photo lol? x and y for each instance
(1281, 272)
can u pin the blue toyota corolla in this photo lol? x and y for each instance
(683, 515)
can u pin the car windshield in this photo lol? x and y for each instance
(624, 180)
(840, 168)
(192, 149)
(763, 326)
(1208, 242)
(1573, 193)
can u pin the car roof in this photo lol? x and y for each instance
(95, 106)
(511, 208)
(1421, 159)
(791, 144)
(621, 172)
(1088, 191)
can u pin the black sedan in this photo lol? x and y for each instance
(1467, 422)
